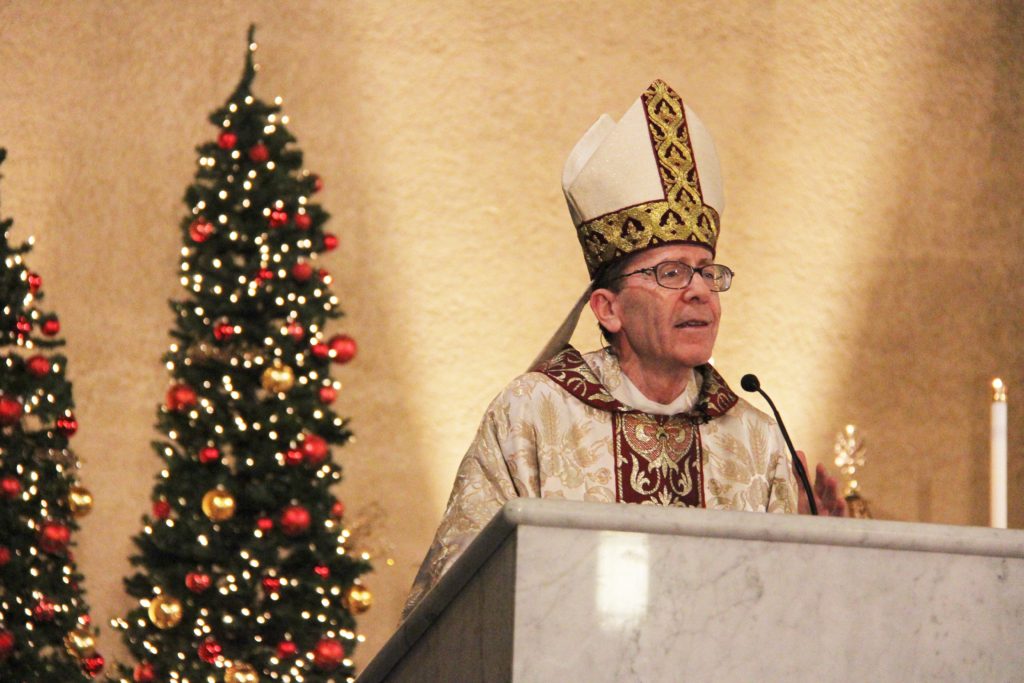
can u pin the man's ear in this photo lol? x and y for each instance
(603, 304)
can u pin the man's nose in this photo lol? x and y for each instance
(697, 290)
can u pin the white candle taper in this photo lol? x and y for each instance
(997, 491)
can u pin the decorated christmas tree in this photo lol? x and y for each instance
(244, 571)
(45, 631)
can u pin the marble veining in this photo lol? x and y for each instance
(743, 610)
(635, 593)
(757, 526)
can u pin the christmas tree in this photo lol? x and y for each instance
(45, 632)
(244, 573)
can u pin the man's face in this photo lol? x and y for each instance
(667, 327)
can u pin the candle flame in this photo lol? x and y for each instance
(998, 391)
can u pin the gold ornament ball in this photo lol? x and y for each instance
(80, 501)
(358, 599)
(278, 378)
(80, 643)
(219, 504)
(165, 611)
(241, 673)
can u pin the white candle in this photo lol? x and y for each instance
(997, 490)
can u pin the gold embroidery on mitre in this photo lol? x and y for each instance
(681, 217)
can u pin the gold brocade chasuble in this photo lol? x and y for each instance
(576, 429)
(658, 458)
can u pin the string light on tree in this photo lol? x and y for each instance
(242, 575)
(45, 629)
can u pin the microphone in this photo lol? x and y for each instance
(751, 383)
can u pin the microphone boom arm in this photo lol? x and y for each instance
(751, 383)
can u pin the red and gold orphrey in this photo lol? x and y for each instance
(658, 458)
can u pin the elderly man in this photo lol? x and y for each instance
(646, 419)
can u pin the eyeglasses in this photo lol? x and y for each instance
(678, 275)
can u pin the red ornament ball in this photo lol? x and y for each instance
(51, 326)
(200, 230)
(264, 524)
(5, 555)
(315, 448)
(328, 653)
(181, 397)
(295, 520)
(93, 664)
(325, 277)
(293, 457)
(161, 509)
(296, 331)
(318, 183)
(322, 570)
(303, 221)
(264, 274)
(271, 584)
(259, 153)
(144, 673)
(223, 331)
(35, 282)
(209, 650)
(43, 610)
(11, 410)
(343, 348)
(85, 619)
(302, 271)
(67, 425)
(338, 509)
(198, 582)
(330, 242)
(286, 649)
(38, 366)
(278, 218)
(10, 487)
(208, 454)
(327, 394)
(23, 326)
(6, 643)
(54, 537)
(227, 140)
(321, 351)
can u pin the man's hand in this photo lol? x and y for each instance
(826, 493)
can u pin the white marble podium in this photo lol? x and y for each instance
(560, 591)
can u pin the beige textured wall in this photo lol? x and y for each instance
(872, 156)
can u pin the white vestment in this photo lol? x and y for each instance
(540, 438)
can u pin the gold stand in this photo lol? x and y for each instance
(850, 457)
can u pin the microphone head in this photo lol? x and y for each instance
(750, 383)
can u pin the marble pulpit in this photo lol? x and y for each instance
(563, 591)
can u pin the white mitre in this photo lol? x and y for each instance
(652, 178)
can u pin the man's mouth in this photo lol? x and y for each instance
(693, 323)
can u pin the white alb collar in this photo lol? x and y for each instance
(624, 391)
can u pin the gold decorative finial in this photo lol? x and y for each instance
(998, 391)
(851, 456)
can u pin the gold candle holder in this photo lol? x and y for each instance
(851, 455)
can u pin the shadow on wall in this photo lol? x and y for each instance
(940, 299)
(390, 454)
